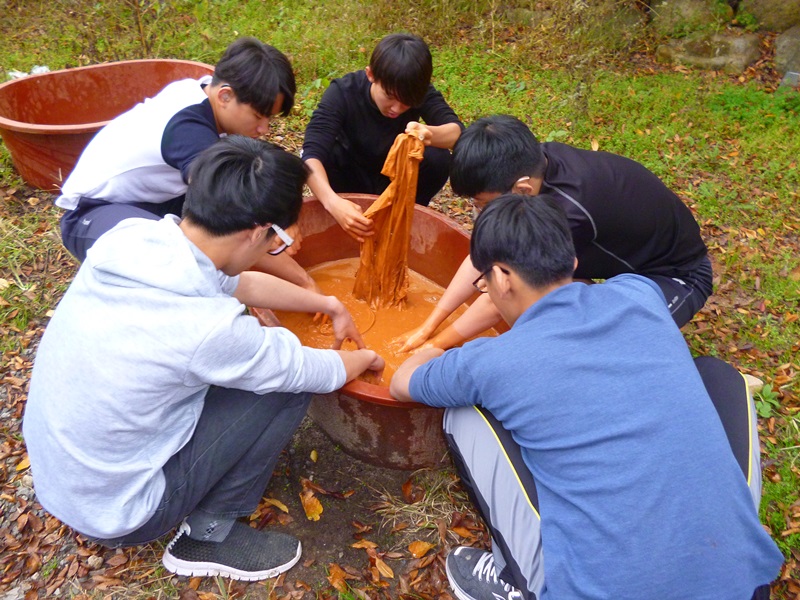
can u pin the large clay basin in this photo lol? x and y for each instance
(363, 418)
(47, 120)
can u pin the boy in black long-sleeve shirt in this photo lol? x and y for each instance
(359, 117)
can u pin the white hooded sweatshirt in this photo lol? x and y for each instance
(122, 371)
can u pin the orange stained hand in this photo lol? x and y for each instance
(412, 339)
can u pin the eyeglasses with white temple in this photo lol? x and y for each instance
(284, 237)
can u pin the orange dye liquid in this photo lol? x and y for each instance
(378, 327)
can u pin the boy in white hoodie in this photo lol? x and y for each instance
(155, 399)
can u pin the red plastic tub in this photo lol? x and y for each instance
(362, 417)
(47, 120)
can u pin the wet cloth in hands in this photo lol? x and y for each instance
(382, 277)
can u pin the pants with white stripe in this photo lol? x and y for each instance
(502, 488)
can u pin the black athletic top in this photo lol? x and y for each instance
(623, 218)
(347, 116)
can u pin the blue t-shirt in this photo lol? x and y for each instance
(639, 493)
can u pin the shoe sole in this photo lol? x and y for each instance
(211, 569)
(460, 594)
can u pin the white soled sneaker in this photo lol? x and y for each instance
(246, 554)
(473, 576)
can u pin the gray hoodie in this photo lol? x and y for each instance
(121, 373)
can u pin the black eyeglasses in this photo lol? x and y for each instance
(285, 238)
(480, 283)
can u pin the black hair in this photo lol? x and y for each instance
(492, 154)
(530, 234)
(401, 63)
(238, 183)
(257, 74)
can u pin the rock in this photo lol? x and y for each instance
(94, 562)
(17, 593)
(730, 53)
(754, 384)
(787, 51)
(773, 15)
(683, 17)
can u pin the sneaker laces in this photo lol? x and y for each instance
(486, 571)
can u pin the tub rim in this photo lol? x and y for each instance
(77, 128)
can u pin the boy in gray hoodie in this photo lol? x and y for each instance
(156, 400)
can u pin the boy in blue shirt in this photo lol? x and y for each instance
(606, 462)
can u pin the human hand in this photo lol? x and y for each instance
(344, 327)
(412, 339)
(350, 218)
(377, 364)
(421, 131)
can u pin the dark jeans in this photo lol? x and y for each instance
(224, 468)
(346, 175)
(80, 228)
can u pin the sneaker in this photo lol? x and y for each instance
(473, 576)
(246, 554)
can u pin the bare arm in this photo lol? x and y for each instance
(267, 291)
(399, 384)
(287, 268)
(458, 292)
(358, 361)
(347, 214)
(480, 316)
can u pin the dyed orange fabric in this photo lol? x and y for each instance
(382, 277)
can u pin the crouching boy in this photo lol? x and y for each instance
(606, 462)
(156, 400)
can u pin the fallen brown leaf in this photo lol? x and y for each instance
(418, 549)
(311, 505)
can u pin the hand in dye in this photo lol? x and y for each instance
(413, 339)
(377, 364)
(343, 326)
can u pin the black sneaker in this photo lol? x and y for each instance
(473, 576)
(246, 554)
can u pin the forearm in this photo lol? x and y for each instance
(479, 317)
(402, 378)
(284, 267)
(262, 290)
(319, 185)
(444, 136)
(460, 288)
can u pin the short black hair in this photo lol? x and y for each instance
(239, 183)
(257, 74)
(402, 64)
(530, 234)
(492, 154)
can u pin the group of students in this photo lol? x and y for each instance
(606, 462)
